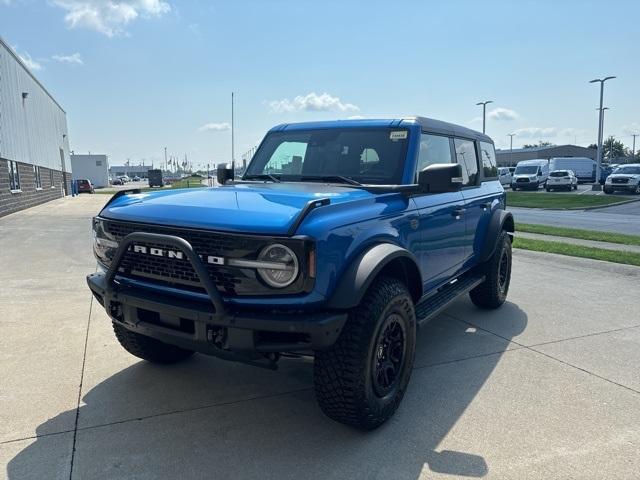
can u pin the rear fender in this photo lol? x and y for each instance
(500, 220)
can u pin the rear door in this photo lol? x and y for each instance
(441, 221)
(481, 190)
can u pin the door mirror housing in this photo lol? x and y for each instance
(440, 178)
(224, 173)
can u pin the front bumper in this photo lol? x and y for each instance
(197, 326)
(626, 187)
(208, 327)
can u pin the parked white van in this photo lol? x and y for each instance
(583, 167)
(530, 174)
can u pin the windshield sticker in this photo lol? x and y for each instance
(399, 135)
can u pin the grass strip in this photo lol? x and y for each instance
(627, 258)
(595, 235)
(561, 200)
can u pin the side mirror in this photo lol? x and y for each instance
(224, 173)
(440, 178)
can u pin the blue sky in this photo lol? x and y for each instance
(137, 75)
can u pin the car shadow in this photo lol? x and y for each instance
(268, 433)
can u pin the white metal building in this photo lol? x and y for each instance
(92, 167)
(34, 142)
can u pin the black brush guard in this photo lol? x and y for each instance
(217, 329)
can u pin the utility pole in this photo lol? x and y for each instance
(511, 135)
(596, 185)
(164, 167)
(633, 149)
(233, 157)
(484, 113)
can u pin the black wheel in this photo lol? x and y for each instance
(149, 348)
(515, 189)
(493, 291)
(361, 380)
(637, 189)
(548, 189)
(607, 191)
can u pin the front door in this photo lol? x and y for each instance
(442, 248)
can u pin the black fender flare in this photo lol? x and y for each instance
(500, 220)
(366, 266)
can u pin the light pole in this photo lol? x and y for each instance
(233, 156)
(484, 112)
(511, 135)
(633, 148)
(596, 185)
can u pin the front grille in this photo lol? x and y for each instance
(522, 180)
(175, 272)
(619, 180)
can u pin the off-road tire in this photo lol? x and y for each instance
(344, 374)
(149, 348)
(493, 291)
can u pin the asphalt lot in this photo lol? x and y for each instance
(545, 387)
(619, 219)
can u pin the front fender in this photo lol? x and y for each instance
(363, 270)
(500, 220)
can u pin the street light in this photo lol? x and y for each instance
(596, 185)
(511, 135)
(484, 112)
(633, 149)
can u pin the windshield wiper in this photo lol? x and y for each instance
(261, 176)
(331, 178)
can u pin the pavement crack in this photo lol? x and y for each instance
(84, 360)
(587, 335)
(195, 409)
(530, 348)
(584, 370)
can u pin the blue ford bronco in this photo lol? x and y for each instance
(339, 240)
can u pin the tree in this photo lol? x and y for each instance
(593, 146)
(537, 145)
(612, 148)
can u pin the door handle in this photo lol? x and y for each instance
(458, 212)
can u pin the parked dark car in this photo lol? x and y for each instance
(116, 181)
(337, 242)
(84, 186)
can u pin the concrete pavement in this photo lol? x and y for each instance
(545, 387)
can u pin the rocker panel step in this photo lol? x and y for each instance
(436, 303)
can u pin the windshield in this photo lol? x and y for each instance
(559, 173)
(368, 156)
(628, 170)
(527, 170)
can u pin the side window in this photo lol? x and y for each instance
(489, 167)
(14, 176)
(287, 158)
(466, 156)
(433, 149)
(36, 174)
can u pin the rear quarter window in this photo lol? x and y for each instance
(489, 166)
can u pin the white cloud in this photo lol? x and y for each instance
(536, 132)
(74, 58)
(571, 132)
(109, 17)
(631, 129)
(502, 114)
(214, 127)
(28, 61)
(312, 102)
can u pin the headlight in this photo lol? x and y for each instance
(283, 265)
(103, 248)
